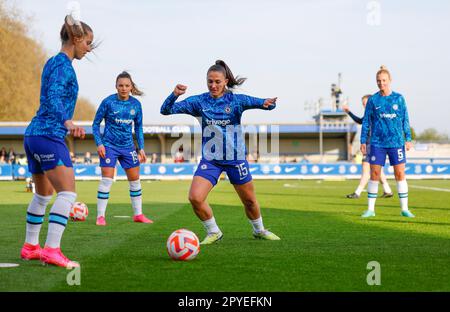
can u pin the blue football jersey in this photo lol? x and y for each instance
(386, 121)
(119, 116)
(59, 91)
(222, 135)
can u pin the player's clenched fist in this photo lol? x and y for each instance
(179, 89)
(269, 102)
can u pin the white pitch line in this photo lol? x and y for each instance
(122, 217)
(8, 265)
(430, 188)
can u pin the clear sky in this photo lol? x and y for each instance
(289, 49)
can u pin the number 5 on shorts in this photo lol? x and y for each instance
(400, 154)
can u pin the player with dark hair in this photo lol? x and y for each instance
(120, 111)
(221, 111)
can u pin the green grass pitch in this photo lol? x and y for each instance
(325, 244)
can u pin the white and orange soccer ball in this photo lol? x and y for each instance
(79, 212)
(183, 245)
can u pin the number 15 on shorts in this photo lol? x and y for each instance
(243, 171)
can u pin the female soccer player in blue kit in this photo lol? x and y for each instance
(48, 156)
(386, 119)
(221, 112)
(365, 175)
(119, 111)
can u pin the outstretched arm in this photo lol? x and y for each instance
(355, 118)
(366, 122)
(352, 116)
(249, 102)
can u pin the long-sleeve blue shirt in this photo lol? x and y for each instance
(222, 135)
(59, 91)
(119, 116)
(386, 121)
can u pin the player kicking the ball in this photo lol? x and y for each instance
(48, 156)
(120, 110)
(386, 118)
(221, 112)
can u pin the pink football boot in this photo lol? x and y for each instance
(101, 221)
(30, 252)
(55, 256)
(141, 218)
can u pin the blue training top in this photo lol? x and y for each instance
(220, 120)
(386, 120)
(119, 115)
(59, 91)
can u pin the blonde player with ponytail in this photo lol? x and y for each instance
(386, 120)
(48, 156)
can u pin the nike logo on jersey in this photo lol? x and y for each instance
(116, 112)
(377, 107)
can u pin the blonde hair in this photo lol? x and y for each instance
(366, 96)
(383, 70)
(72, 29)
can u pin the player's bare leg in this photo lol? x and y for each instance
(365, 176)
(387, 192)
(247, 195)
(200, 188)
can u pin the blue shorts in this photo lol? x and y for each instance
(377, 155)
(127, 157)
(45, 153)
(238, 171)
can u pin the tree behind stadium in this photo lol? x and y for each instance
(21, 61)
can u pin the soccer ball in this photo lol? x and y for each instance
(78, 212)
(183, 245)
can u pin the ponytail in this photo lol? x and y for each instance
(134, 88)
(221, 66)
(383, 70)
(73, 29)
